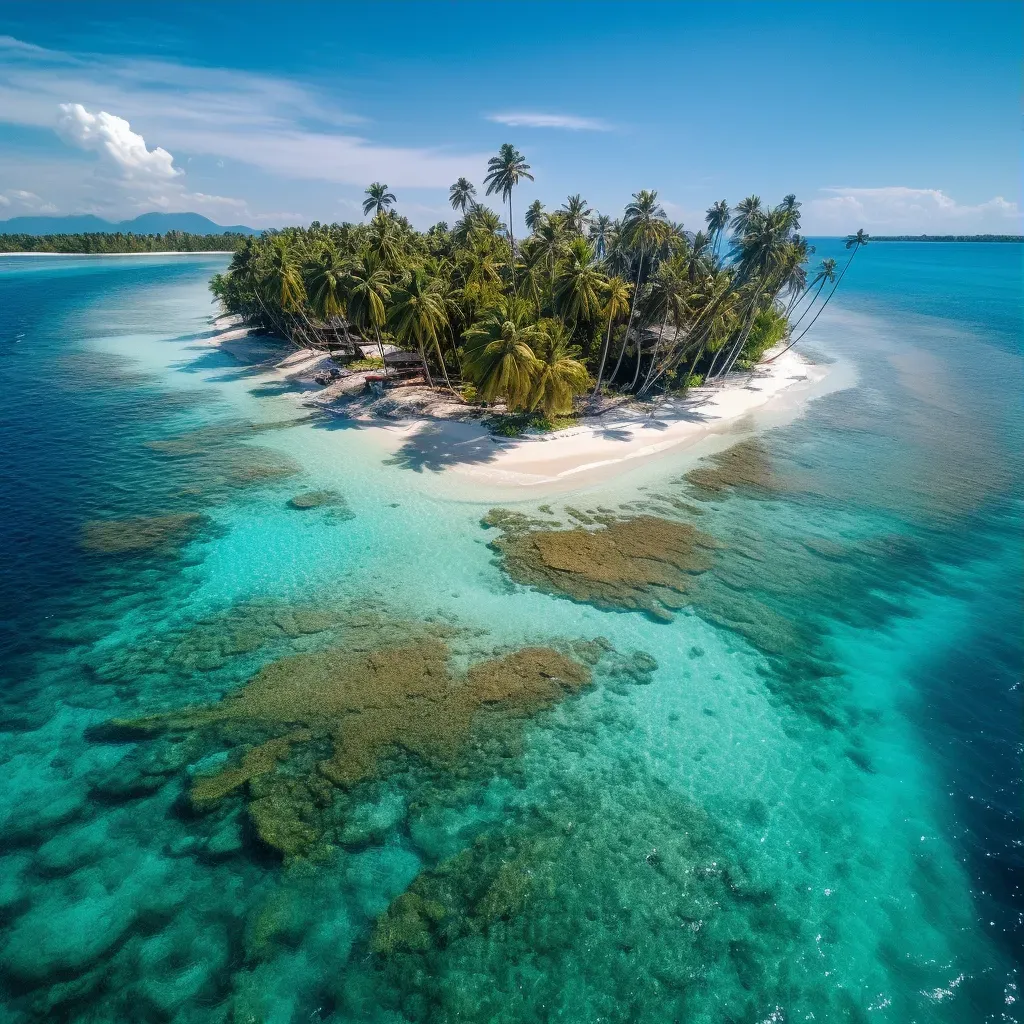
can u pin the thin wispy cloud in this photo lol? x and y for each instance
(567, 122)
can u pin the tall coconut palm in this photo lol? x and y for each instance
(667, 302)
(284, 280)
(378, 199)
(643, 227)
(826, 275)
(616, 305)
(500, 353)
(853, 242)
(559, 375)
(577, 214)
(578, 284)
(461, 194)
(534, 215)
(369, 291)
(718, 220)
(418, 315)
(600, 232)
(504, 172)
(746, 212)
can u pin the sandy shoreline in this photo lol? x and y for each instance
(598, 449)
(456, 445)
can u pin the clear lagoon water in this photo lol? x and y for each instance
(810, 809)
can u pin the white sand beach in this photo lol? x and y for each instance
(597, 449)
(436, 433)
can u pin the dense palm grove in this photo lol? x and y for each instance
(584, 303)
(121, 241)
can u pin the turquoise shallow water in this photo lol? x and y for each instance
(810, 810)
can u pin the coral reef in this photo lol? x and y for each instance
(365, 705)
(643, 562)
(164, 534)
(746, 464)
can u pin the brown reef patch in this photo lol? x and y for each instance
(643, 562)
(354, 709)
(140, 533)
(746, 464)
(315, 499)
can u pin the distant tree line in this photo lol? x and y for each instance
(118, 241)
(948, 238)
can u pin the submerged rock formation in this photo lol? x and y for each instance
(746, 464)
(313, 721)
(643, 562)
(140, 533)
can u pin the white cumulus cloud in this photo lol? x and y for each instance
(898, 209)
(112, 136)
(570, 122)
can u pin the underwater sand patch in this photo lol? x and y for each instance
(355, 709)
(643, 563)
(140, 533)
(746, 464)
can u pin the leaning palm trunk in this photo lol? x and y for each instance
(743, 334)
(632, 310)
(654, 359)
(426, 368)
(820, 310)
(604, 356)
(380, 346)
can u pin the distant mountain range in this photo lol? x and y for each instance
(146, 224)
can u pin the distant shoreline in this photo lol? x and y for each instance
(162, 252)
(947, 238)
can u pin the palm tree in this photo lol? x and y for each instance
(667, 302)
(503, 174)
(283, 280)
(378, 198)
(559, 375)
(853, 242)
(578, 284)
(577, 214)
(326, 275)
(534, 215)
(500, 355)
(419, 315)
(369, 289)
(616, 305)
(747, 210)
(718, 220)
(461, 194)
(825, 275)
(600, 231)
(643, 227)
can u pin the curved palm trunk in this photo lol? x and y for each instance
(604, 356)
(810, 305)
(744, 333)
(423, 359)
(632, 310)
(654, 358)
(820, 311)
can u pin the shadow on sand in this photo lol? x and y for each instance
(438, 447)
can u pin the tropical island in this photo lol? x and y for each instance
(586, 313)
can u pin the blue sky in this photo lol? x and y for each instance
(894, 117)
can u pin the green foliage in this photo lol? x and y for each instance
(636, 303)
(366, 364)
(118, 241)
(768, 329)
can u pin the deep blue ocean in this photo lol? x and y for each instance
(800, 799)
